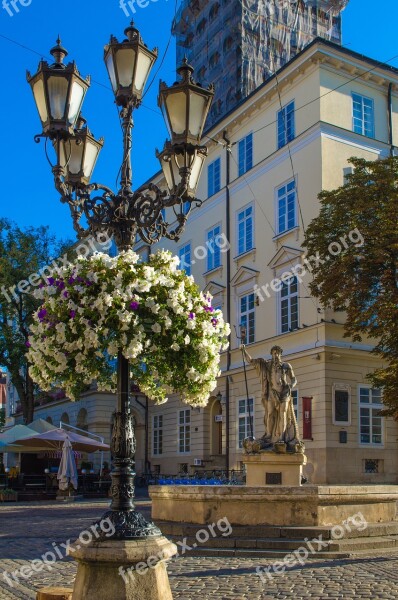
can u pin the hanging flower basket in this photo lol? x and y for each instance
(8, 495)
(154, 313)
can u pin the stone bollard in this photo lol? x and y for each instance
(54, 593)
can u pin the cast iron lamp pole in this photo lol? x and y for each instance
(59, 92)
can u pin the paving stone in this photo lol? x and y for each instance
(29, 531)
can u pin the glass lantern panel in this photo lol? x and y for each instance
(167, 172)
(196, 171)
(111, 70)
(76, 156)
(177, 110)
(144, 64)
(40, 99)
(125, 63)
(58, 92)
(90, 159)
(76, 101)
(176, 171)
(196, 113)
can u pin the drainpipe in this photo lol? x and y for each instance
(228, 233)
(390, 123)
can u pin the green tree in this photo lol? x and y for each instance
(363, 278)
(23, 253)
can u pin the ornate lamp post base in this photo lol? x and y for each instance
(130, 525)
(123, 570)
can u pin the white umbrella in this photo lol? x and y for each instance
(67, 472)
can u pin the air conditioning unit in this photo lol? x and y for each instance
(198, 462)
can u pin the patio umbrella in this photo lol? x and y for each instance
(54, 440)
(67, 472)
(40, 426)
(8, 437)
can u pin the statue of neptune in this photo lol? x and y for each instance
(277, 381)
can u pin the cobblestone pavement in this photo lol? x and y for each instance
(28, 531)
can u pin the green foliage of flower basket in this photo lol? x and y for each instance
(154, 313)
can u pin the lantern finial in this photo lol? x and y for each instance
(58, 52)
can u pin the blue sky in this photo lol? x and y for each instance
(28, 196)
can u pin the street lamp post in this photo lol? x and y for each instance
(59, 92)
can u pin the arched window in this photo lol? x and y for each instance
(82, 419)
(201, 27)
(202, 73)
(228, 43)
(65, 418)
(214, 11)
(214, 60)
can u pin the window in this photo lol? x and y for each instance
(289, 305)
(245, 229)
(370, 422)
(295, 404)
(213, 248)
(214, 177)
(157, 435)
(286, 207)
(245, 152)
(247, 317)
(363, 115)
(184, 431)
(184, 254)
(245, 420)
(341, 410)
(286, 125)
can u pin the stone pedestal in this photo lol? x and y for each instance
(270, 468)
(123, 570)
(312, 505)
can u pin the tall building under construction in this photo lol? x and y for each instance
(239, 44)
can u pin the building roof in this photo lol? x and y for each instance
(389, 69)
(317, 41)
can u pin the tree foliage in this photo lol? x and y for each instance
(23, 253)
(363, 278)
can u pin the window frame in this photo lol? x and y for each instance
(341, 387)
(363, 131)
(247, 313)
(212, 249)
(245, 157)
(289, 296)
(157, 434)
(188, 270)
(213, 181)
(240, 416)
(371, 406)
(243, 209)
(285, 197)
(186, 424)
(284, 112)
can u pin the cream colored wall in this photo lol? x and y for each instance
(336, 107)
